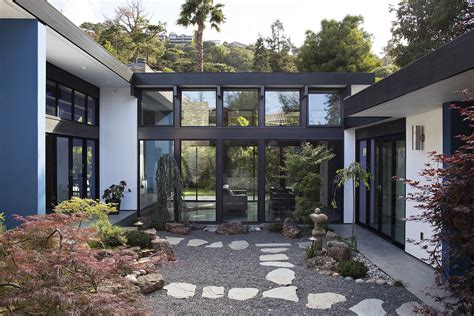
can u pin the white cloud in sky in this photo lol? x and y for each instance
(247, 18)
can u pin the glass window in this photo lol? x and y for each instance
(324, 109)
(150, 154)
(198, 108)
(156, 108)
(91, 110)
(240, 185)
(198, 167)
(282, 108)
(50, 97)
(91, 157)
(79, 107)
(65, 103)
(77, 168)
(241, 108)
(62, 169)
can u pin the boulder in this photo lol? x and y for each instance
(177, 228)
(290, 230)
(232, 228)
(131, 278)
(339, 251)
(150, 282)
(151, 233)
(330, 236)
(322, 263)
(164, 246)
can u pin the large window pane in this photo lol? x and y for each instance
(324, 109)
(198, 108)
(280, 198)
(79, 107)
(240, 189)
(91, 110)
(198, 167)
(91, 157)
(241, 108)
(282, 108)
(62, 169)
(77, 168)
(156, 108)
(150, 154)
(50, 97)
(65, 103)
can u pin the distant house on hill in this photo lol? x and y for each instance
(238, 45)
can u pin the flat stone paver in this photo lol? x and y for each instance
(276, 257)
(213, 292)
(217, 244)
(196, 242)
(324, 300)
(369, 307)
(180, 290)
(284, 292)
(243, 293)
(274, 245)
(281, 276)
(238, 245)
(273, 250)
(277, 264)
(408, 309)
(174, 240)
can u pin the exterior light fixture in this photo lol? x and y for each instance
(417, 137)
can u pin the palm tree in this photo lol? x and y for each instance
(198, 12)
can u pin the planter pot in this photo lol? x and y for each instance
(117, 205)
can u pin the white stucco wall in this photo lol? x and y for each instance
(349, 157)
(356, 88)
(432, 122)
(118, 142)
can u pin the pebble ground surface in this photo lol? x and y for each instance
(228, 268)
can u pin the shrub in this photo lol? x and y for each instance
(46, 269)
(276, 227)
(309, 252)
(398, 283)
(354, 269)
(109, 234)
(91, 209)
(137, 238)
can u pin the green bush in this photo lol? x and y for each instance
(276, 227)
(137, 238)
(309, 252)
(354, 269)
(110, 235)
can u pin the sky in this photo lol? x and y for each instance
(246, 19)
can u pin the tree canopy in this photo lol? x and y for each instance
(341, 46)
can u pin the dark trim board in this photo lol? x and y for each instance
(445, 62)
(385, 129)
(350, 122)
(253, 79)
(56, 125)
(66, 78)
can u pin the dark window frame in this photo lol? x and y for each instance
(237, 89)
(270, 89)
(218, 105)
(340, 92)
(139, 100)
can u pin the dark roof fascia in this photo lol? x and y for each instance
(350, 122)
(447, 61)
(251, 79)
(51, 17)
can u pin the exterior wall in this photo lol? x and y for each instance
(349, 157)
(118, 142)
(22, 122)
(356, 88)
(415, 162)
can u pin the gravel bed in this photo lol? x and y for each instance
(240, 268)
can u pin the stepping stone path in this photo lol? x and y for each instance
(274, 245)
(277, 264)
(217, 244)
(238, 245)
(369, 307)
(180, 290)
(276, 257)
(213, 292)
(281, 276)
(174, 240)
(273, 250)
(196, 242)
(242, 294)
(285, 293)
(324, 300)
(408, 309)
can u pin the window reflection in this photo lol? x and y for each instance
(156, 108)
(241, 108)
(282, 108)
(198, 108)
(324, 109)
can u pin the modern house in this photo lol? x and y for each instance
(88, 121)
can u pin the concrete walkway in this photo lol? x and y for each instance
(417, 276)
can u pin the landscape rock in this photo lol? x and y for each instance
(370, 306)
(232, 228)
(359, 281)
(180, 290)
(213, 292)
(217, 244)
(348, 278)
(285, 293)
(174, 240)
(323, 263)
(339, 251)
(324, 300)
(196, 242)
(164, 246)
(150, 282)
(281, 276)
(242, 294)
(238, 245)
(278, 264)
(290, 230)
(330, 236)
(177, 228)
(131, 278)
(381, 282)
(275, 257)
(151, 233)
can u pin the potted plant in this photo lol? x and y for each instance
(115, 193)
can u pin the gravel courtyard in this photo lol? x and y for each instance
(229, 268)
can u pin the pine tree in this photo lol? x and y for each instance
(261, 60)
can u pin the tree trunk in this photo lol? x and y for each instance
(200, 48)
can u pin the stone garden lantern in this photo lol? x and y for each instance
(318, 231)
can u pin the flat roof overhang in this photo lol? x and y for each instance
(252, 79)
(421, 86)
(71, 49)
